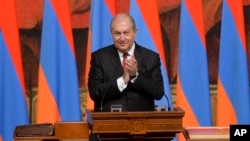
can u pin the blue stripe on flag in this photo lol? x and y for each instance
(13, 106)
(59, 65)
(233, 70)
(192, 68)
(99, 25)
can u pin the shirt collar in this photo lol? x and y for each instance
(130, 52)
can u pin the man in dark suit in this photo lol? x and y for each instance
(133, 82)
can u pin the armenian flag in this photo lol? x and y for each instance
(101, 13)
(192, 74)
(233, 104)
(13, 104)
(58, 94)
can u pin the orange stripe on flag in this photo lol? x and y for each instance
(225, 111)
(47, 112)
(90, 103)
(181, 100)
(189, 118)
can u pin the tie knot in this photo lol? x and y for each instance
(125, 55)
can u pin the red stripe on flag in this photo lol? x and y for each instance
(13, 106)
(111, 4)
(197, 17)
(63, 14)
(153, 24)
(237, 10)
(7, 22)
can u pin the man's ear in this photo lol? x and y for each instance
(136, 30)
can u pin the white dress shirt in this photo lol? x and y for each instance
(120, 82)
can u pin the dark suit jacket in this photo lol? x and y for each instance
(138, 96)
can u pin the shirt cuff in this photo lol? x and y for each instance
(121, 84)
(134, 78)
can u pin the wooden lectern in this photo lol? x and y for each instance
(151, 125)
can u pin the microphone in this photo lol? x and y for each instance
(105, 91)
(169, 107)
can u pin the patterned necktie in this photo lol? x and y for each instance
(125, 55)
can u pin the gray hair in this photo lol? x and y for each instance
(124, 15)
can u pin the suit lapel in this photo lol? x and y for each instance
(138, 56)
(116, 63)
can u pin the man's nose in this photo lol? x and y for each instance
(122, 37)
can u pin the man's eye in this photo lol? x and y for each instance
(126, 33)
